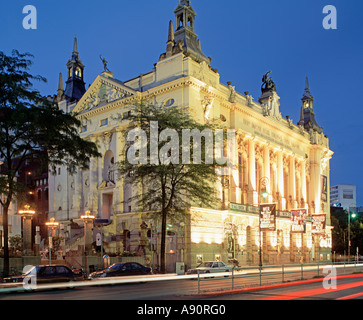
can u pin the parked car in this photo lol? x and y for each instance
(45, 274)
(121, 269)
(210, 267)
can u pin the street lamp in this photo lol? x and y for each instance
(353, 216)
(264, 194)
(27, 215)
(52, 226)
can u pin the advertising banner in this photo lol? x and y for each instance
(268, 217)
(298, 220)
(318, 223)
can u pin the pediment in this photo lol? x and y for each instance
(106, 185)
(104, 90)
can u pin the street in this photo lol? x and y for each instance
(208, 287)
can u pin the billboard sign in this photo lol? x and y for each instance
(298, 220)
(268, 217)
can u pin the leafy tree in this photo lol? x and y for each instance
(32, 127)
(167, 188)
(339, 218)
(16, 242)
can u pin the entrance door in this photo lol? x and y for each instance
(107, 200)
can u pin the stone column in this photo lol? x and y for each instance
(315, 182)
(292, 183)
(252, 192)
(93, 180)
(267, 171)
(119, 191)
(77, 200)
(235, 188)
(303, 184)
(88, 219)
(37, 241)
(280, 183)
(27, 234)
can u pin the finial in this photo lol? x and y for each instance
(60, 82)
(307, 82)
(171, 32)
(75, 46)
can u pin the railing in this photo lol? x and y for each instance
(256, 276)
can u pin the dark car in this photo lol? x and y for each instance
(121, 269)
(45, 274)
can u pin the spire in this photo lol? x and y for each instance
(307, 115)
(307, 94)
(75, 86)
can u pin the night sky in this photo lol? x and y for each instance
(244, 38)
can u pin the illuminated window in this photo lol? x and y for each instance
(78, 72)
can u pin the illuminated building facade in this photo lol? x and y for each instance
(291, 159)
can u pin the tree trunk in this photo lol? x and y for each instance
(163, 242)
(6, 241)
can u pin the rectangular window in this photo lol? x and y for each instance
(103, 122)
(83, 128)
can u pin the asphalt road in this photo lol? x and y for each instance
(172, 287)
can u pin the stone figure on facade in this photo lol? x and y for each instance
(232, 92)
(207, 107)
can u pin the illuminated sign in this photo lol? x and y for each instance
(298, 220)
(268, 217)
(318, 223)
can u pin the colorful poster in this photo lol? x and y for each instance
(268, 217)
(318, 223)
(298, 220)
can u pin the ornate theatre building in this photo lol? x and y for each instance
(290, 162)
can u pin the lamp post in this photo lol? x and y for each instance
(27, 215)
(353, 216)
(52, 226)
(88, 219)
(263, 182)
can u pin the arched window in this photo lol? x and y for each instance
(109, 166)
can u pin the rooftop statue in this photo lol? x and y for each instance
(267, 83)
(104, 61)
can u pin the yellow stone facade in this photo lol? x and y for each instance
(294, 160)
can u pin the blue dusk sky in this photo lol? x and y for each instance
(244, 38)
